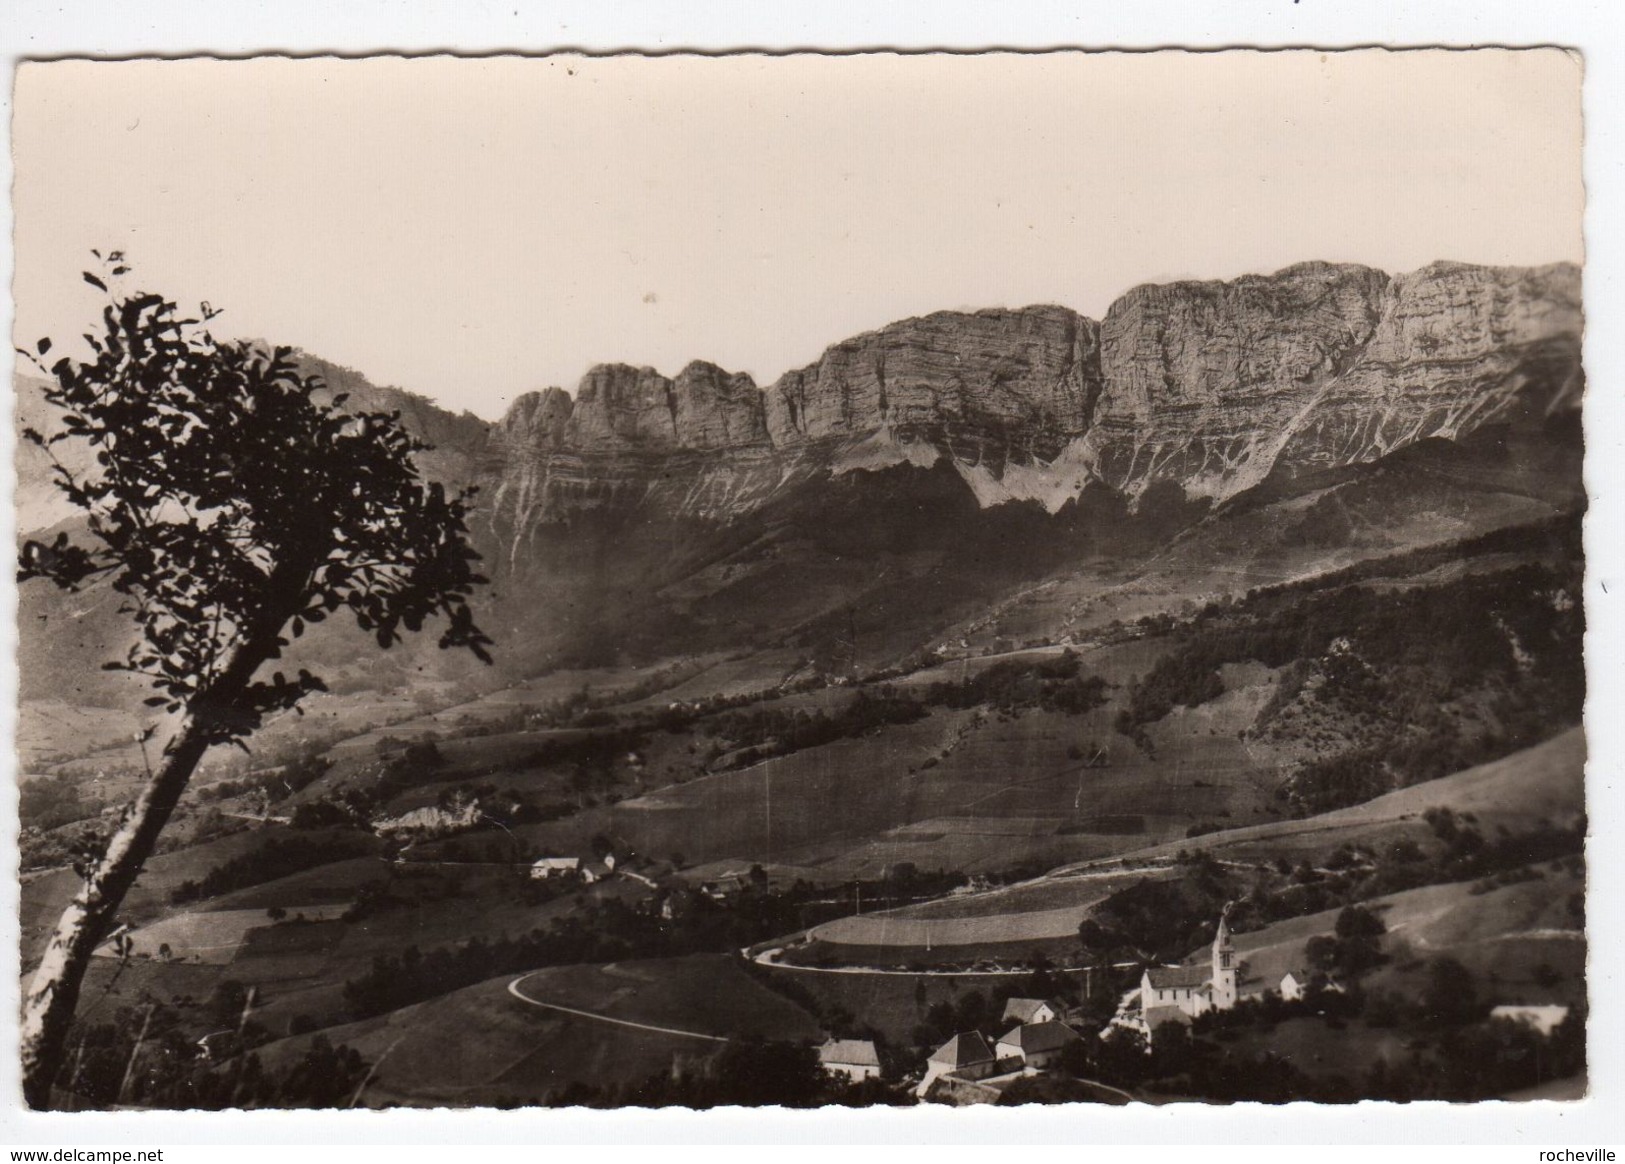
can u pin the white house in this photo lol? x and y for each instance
(592, 871)
(1037, 1045)
(725, 888)
(1294, 983)
(555, 867)
(856, 1059)
(966, 1056)
(1544, 1019)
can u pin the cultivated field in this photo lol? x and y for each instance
(212, 937)
(483, 1045)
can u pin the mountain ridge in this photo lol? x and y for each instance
(1209, 385)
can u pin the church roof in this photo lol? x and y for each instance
(963, 1051)
(1179, 977)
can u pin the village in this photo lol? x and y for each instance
(1047, 1036)
(1049, 1045)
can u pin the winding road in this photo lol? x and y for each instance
(770, 958)
(513, 989)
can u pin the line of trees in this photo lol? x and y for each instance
(278, 857)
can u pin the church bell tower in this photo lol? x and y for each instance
(1224, 965)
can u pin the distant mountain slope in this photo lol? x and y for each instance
(949, 474)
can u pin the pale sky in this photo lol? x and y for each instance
(474, 229)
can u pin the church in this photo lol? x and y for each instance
(1180, 993)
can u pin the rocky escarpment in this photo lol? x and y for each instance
(1204, 380)
(1216, 385)
(630, 439)
(1455, 347)
(1210, 386)
(989, 386)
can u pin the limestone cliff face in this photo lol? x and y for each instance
(993, 385)
(1456, 347)
(713, 409)
(1207, 386)
(630, 439)
(1214, 385)
(1203, 378)
(1210, 386)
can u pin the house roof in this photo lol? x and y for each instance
(963, 1050)
(557, 863)
(849, 1052)
(1179, 977)
(1036, 1038)
(1157, 1016)
(1023, 1009)
(1544, 1019)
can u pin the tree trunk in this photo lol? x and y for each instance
(53, 995)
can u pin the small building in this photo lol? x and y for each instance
(1295, 984)
(1037, 1045)
(1544, 1019)
(1161, 1016)
(1033, 1010)
(592, 871)
(547, 867)
(965, 1056)
(725, 888)
(856, 1059)
(216, 1045)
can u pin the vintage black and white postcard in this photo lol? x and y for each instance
(803, 580)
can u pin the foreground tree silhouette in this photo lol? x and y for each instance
(230, 508)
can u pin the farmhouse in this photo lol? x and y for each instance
(965, 1056)
(1545, 1019)
(725, 888)
(1033, 1010)
(856, 1059)
(1295, 983)
(555, 867)
(1037, 1045)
